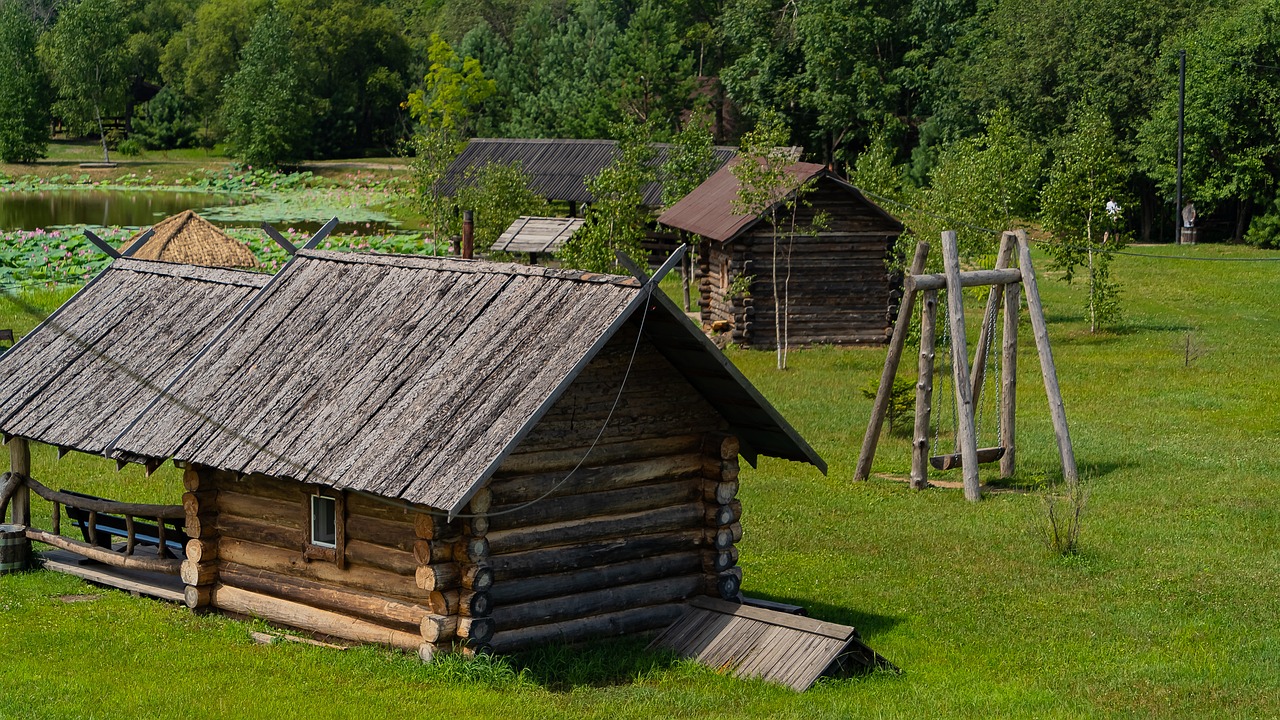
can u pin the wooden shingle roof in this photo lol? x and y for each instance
(711, 210)
(78, 379)
(190, 239)
(410, 377)
(537, 234)
(557, 168)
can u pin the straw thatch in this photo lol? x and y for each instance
(189, 239)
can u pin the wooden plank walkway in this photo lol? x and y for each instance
(754, 642)
(138, 582)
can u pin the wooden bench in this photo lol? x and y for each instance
(106, 527)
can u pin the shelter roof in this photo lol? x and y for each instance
(79, 378)
(537, 234)
(190, 239)
(557, 169)
(415, 377)
(711, 210)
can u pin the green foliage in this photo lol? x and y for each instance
(988, 181)
(740, 286)
(453, 90)
(265, 105)
(690, 161)
(902, 404)
(433, 150)
(1264, 231)
(1232, 111)
(205, 53)
(88, 64)
(165, 123)
(615, 221)
(24, 112)
(129, 147)
(650, 69)
(498, 194)
(1062, 515)
(1087, 174)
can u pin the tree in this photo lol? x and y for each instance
(166, 124)
(201, 57)
(264, 105)
(765, 188)
(650, 68)
(452, 90)
(24, 113)
(690, 162)
(86, 58)
(433, 151)
(498, 194)
(1081, 208)
(1232, 114)
(985, 181)
(615, 220)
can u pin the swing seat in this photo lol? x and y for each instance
(951, 462)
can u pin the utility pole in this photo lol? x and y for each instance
(1182, 98)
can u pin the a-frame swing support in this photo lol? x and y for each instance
(1004, 282)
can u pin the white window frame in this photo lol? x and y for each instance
(332, 504)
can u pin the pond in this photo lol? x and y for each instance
(141, 208)
(104, 208)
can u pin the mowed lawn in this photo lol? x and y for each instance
(1171, 608)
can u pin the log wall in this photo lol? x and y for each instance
(618, 545)
(542, 553)
(841, 290)
(395, 584)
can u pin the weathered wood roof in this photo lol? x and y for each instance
(190, 239)
(537, 234)
(557, 168)
(711, 209)
(79, 378)
(409, 377)
(753, 642)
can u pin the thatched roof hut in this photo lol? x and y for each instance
(189, 239)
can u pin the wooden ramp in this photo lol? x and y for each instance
(753, 642)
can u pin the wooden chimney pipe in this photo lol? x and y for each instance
(468, 235)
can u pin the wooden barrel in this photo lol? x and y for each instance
(15, 549)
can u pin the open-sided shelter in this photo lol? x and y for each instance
(436, 453)
(836, 274)
(189, 239)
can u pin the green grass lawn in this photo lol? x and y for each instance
(1169, 610)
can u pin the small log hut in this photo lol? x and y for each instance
(441, 454)
(187, 238)
(840, 287)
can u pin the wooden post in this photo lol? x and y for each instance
(881, 406)
(1057, 410)
(996, 294)
(965, 436)
(20, 464)
(924, 391)
(686, 272)
(1009, 380)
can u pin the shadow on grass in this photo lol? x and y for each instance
(867, 624)
(561, 668)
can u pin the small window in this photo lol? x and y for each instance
(324, 521)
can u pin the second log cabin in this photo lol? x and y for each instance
(811, 262)
(441, 454)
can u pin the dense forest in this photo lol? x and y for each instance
(972, 108)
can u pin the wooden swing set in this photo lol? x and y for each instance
(1003, 281)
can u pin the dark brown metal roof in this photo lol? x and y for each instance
(557, 169)
(79, 378)
(413, 377)
(711, 209)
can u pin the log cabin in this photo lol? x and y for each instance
(839, 288)
(452, 455)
